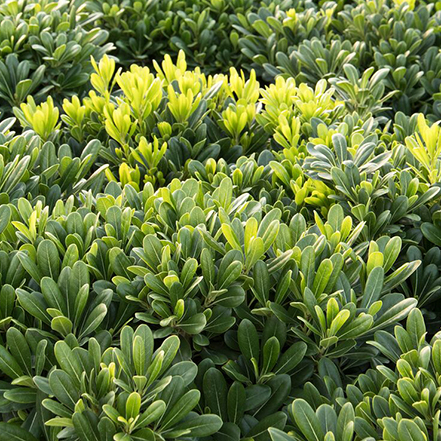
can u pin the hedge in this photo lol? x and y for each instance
(220, 220)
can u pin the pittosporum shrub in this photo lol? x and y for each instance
(219, 220)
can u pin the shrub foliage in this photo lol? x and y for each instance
(220, 220)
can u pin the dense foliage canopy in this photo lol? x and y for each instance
(220, 220)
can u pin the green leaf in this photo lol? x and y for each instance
(357, 327)
(248, 340)
(346, 422)
(376, 259)
(307, 420)
(21, 395)
(415, 326)
(291, 358)
(373, 288)
(139, 356)
(94, 320)
(336, 215)
(180, 409)
(269, 227)
(9, 365)
(230, 275)
(431, 232)
(152, 413)
(270, 355)
(236, 402)
(170, 347)
(59, 422)
(153, 251)
(30, 266)
(34, 304)
(400, 275)
(119, 262)
(260, 431)
(391, 252)
(436, 355)
(143, 336)
(194, 324)
(280, 172)
(5, 217)
(62, 325)
(80, 303)
(257, 395)
(56, 408)
(133, 405)
(215, 392)
(262, 282)
(328, 418)
(19, 349)
(409, 430)
(280, 388)
(270, 234)
(279, 435)
(255, 252)
(79, 276)
(64, 388)
(395, 314)
(230, 235)
(224, 193)
(68, 361)
(52, 294)
(84, 427)
(322, 277)
(106, 429)
(13, 432)
(233, 297)
(48, 260)
(199, 426)
(307, 264)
